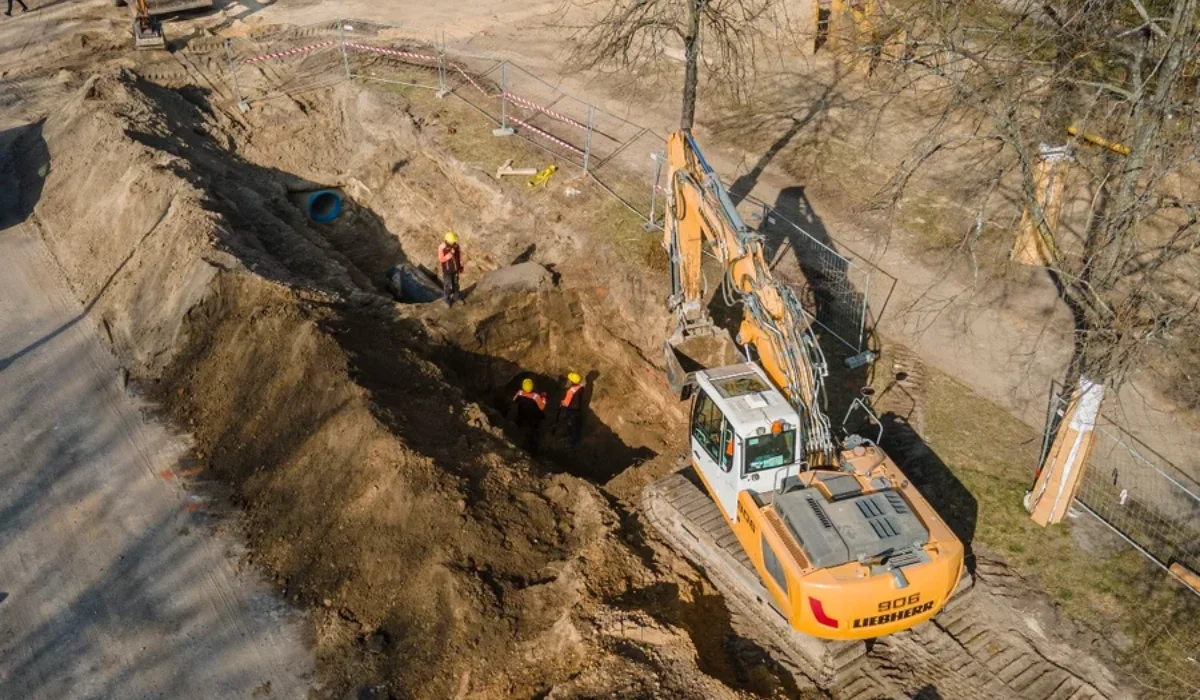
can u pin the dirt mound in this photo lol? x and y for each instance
(364, 439)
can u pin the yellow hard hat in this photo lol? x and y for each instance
(527, 385)
(574, 378)
(451, 237)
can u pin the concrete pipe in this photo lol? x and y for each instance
(322, 206)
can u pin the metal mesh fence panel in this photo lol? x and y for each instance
(1146, 499)
(1143, 497)
(835, 287)
(285, 62)
(392, 54)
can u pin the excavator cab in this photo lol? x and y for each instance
(845, 553)
(744, 433)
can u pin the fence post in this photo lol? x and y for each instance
(443, 88)
(505, 129)
(237, 90)
(587, 148)
(862, 319)
(658, 161)
(342, 41)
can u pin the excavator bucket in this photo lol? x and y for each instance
(686, 355)
(148, 34)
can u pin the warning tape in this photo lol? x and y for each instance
(391, 52)
(467, 75)
(538, 108)
(289, 52)
(546, 136)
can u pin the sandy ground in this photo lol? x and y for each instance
(1009, 339)
(114, 581)
(323, 405)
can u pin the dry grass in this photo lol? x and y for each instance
(993, 456)
(467, 135)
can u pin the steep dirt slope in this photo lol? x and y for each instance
(378, 486)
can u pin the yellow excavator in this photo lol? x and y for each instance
(147, 28)
(824, 540)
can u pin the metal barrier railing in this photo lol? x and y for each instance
(620, 156)
(1144, 498)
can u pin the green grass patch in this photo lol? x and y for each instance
(993, 456)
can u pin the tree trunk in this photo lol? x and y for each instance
(691, 69)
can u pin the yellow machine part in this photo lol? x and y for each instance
(845, 602)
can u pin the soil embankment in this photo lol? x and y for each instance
(365, 440)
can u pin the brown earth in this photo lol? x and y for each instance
(365, 439)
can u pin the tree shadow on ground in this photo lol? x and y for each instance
(24, 165)
(952, 501)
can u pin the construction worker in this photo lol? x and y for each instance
(571, 408)
(450, 259)
(531, 409)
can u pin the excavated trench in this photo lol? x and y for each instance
(368, 440)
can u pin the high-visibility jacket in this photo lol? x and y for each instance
(530, 405)
(450, 257)
(571, 399)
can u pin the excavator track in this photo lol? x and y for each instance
(684, 514)
(956, 654)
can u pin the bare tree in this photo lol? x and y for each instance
(1010, 80)
(725, 35)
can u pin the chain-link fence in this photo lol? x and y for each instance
(1136, 492)
(621, 157)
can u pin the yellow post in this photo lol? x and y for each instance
(1189, 578)
(1099, 141)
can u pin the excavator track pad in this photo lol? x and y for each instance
(686, 516)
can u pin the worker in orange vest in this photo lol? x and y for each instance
(450, 258)
(530, 407)
(571, 408)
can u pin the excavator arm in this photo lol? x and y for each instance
(773, 322)
(834, 540)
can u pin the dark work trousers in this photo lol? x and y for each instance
(19, 2)
(574, 420)
(450, 290)
(533, 435)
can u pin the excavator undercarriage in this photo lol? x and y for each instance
(686, 516)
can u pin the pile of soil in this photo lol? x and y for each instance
(364, 439)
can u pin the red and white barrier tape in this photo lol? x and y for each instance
(390, 52)
(538, 108)
(546, 136)
(467, 75)
(289, 52)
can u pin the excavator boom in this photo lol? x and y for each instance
(774, 324)
(832, 539)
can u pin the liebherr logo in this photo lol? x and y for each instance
(894, 616)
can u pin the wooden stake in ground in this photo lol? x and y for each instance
(1060, 474)
(1049, 179)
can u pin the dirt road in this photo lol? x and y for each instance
(114, 581)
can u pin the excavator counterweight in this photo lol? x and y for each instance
(825, 540)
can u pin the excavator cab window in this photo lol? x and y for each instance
(728, 440)
(770, 450)
(708, 426)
